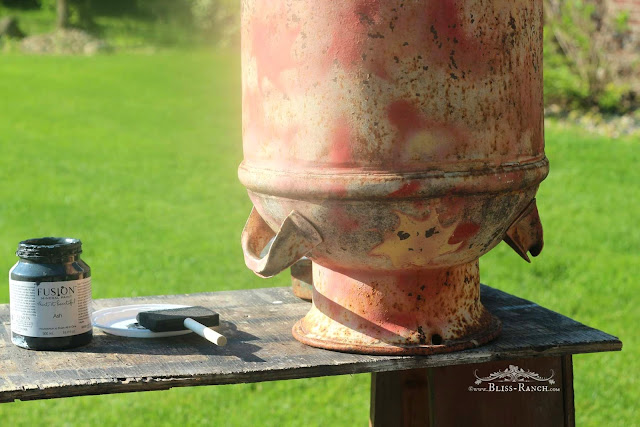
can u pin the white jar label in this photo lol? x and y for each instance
(50, 309)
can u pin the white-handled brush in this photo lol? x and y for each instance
(196, 318)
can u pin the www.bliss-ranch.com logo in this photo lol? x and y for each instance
(514, 380)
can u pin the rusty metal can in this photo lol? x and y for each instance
(302, 279)
(393, 145)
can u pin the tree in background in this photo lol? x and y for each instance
(62, 14)
(81, 8)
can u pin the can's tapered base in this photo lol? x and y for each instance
(302, 279)
(410, 312)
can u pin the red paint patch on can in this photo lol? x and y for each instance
(405, 117)
(272, 43)
(350, 34)
(463, 232)
(407, 189)
(379, 68)
(455, 46)
(450, 208)
(340, 151)
(344, 221)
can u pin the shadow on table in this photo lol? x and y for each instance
(238, 345)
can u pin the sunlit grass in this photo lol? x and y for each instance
(137, 156)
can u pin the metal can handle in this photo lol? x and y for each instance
(267, 253)
(525, 234)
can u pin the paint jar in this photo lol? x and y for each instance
(50, 295)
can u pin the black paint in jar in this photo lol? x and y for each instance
(50, 295)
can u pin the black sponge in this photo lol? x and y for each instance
(172, 319)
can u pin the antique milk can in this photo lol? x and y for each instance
(393, 143)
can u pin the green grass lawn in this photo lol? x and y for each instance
(137, 156)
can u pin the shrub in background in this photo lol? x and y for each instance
(217, 19)
(589, 61)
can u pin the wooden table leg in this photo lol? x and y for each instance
(450, 396)
(400, 398)
(567, 388)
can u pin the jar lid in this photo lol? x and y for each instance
(49, 248)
